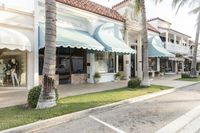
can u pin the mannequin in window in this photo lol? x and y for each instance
(2, 71)
(14, 69)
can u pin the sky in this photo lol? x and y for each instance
(182, 21)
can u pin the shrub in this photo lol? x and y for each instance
(134, 83)
(97, 75)
(33, 96)
(118, 75)
(185, 75)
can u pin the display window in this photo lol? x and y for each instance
(13, 68)
(68, 61)
(106, 62)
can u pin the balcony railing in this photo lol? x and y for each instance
(177, 48)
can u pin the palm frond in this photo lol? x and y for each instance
(195, 10)
(178, 4)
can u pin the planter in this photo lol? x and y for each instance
(96, 80)
(161, 73)
(117, 78)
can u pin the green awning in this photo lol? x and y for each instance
(72, 38)
(156, 48)
(109, 35)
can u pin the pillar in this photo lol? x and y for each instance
(127, 59)
(182, 66)
(90, 67)
(176, 67)
(33, 58)
(181, 41)
(167, 65)
(158, 64)
(117, 63)
(174, 38)
(167, 37)
(139, 58)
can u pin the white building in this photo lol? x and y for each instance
(176, 43)
(89, 40)
(17, 48)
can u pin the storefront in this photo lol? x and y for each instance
(14, 50)
(79, 55)
(158, 56)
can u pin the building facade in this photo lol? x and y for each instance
(175, 42)
(89, 40)
(17, 48)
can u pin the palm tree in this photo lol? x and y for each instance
(139, 7)
(178, 4)
(49, 56)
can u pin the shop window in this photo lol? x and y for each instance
(68, 60)
(105, 62)
(13, 68)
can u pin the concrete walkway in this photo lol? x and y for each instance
(16, 96)
(169, 80)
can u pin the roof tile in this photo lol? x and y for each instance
(94, 8)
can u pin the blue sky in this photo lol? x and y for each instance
(182, 21)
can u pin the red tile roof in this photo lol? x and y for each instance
(151, 28)
(94, 8)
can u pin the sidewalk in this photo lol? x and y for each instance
(169, 80)
(16, 96)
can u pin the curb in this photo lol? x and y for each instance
(42, 124)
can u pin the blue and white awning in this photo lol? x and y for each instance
(156, 48)
(72, 38)
(109, 36)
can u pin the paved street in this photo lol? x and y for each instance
(141, 117)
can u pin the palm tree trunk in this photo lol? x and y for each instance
(145, 81)
(50, 39)
(193, 72)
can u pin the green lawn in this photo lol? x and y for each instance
(20, 115)
(190, 79)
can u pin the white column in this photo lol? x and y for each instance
(176, 67)
(117, 63)
(181, 40)
(32, 57)
(174, 38)
(30, 72)
(127, 66)
(167, 36)
(139, 58)
(158, 64)
(35, 59)
(182, 66)
(91, 67)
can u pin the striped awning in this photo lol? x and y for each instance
(72, 38)
(109, 36)
(156, 48)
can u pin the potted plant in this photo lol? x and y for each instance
(97, 76)
(118, 76)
